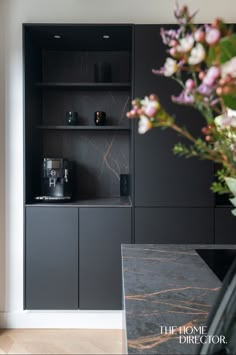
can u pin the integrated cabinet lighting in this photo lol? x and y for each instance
(57, 36)
(106, 36)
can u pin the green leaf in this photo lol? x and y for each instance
(233, 201)
(212, 55)
(231, 182)
(227, 48)
(230, 101)
(223, 51)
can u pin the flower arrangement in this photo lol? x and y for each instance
(202, 59)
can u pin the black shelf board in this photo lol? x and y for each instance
(84, 128)
(83, 86)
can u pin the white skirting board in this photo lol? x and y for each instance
(62, 319)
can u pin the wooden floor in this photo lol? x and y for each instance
(60, 341)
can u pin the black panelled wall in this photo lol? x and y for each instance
(172, 199)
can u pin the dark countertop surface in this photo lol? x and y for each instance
(87, 202)
(166, 286)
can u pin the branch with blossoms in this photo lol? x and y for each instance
(202, 60)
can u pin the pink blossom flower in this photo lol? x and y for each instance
(183, 99)
(158, 71)
(199, 35)
(168, 36)
(212, 36)
(190, 85)
(204, 89)
(211, 76)
(173, 51)
(182, 15)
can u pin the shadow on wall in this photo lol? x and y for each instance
(2, 170)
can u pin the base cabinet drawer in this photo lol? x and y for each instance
(101, 233)
(51, 258)
(174, 225)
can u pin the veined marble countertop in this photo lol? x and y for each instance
(166, 286)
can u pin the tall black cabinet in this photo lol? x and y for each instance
(173, 189)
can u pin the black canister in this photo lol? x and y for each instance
(71, 118)
(100, 118)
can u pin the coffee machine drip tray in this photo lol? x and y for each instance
(53, 198)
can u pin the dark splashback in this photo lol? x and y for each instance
(99, 157)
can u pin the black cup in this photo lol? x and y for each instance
(71, 118)
(100, 118)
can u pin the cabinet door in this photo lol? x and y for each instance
(162, 179)
(174, 225)
(51, 274)
(101, 233)
(225, 226)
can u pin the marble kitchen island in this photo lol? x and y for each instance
(167, 286)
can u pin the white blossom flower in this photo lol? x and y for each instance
(226, 120)
(170, 67)
(197, 54)
(150, 107)
(185, 44)
(229, 68)
(144, 124)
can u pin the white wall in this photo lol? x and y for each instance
(13, 15)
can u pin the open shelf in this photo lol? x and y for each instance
(84, 128)
(62, 79)
(85, 86)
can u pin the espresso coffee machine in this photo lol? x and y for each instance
(56, 180)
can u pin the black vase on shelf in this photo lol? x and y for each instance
(102, 72)
(71, 118)
(100, 118)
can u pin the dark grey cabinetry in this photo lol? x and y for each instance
(51, 258)
(225, 226)
(174, 225)
(101, 233)
(162, 179)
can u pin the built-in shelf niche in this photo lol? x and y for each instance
(60, 77)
